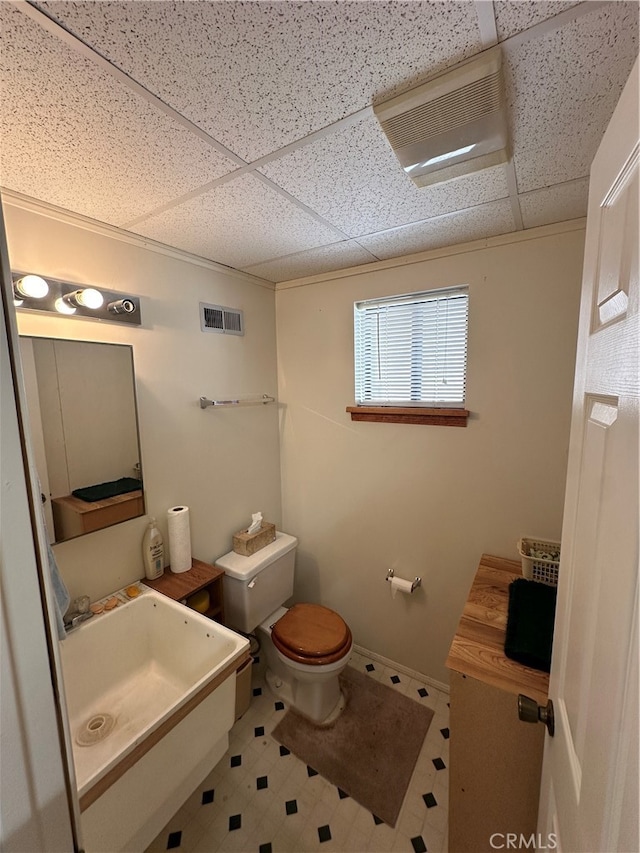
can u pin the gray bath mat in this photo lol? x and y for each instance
(371, 749)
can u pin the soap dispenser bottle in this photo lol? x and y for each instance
(153, 552)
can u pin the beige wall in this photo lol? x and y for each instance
(361, 497)
(427, 500)
(223, 463)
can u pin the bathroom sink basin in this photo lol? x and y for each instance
(136, 666)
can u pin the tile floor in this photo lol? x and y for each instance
(262, 799)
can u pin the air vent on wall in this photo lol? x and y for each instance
(224, 321)
(452, 125)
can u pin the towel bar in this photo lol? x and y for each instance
(254, 401)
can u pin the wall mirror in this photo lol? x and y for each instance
(84, 424)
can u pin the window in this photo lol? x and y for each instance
(411, 353)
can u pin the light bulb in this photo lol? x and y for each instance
(31, 286)
(89, 298)
(63, 307)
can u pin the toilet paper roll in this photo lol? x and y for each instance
(179, 539)
(400, 585)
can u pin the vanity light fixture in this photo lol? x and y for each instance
(53, 296)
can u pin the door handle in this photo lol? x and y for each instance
(530, 712)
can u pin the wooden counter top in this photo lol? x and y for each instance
(477, 649)
(184, 584)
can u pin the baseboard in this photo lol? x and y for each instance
(412, 673)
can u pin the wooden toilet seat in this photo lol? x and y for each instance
(311, 634)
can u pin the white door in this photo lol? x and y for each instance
(589, 793)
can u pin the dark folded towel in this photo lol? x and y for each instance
(107, 490)
(532, 610)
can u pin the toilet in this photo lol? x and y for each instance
(306, 647)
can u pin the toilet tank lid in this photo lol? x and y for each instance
(244, 568)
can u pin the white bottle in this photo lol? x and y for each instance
(153, 552)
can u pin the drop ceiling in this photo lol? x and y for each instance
(243, 132)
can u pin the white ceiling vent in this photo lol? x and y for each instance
(224, 321)
(453, 125)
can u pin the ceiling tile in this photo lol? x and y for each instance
(259, 75)
(354, 180)
(512, 18)
(74, 137)
(562, 90)
(240, 223)
(486, 220)
(555, 204)
(313, 262)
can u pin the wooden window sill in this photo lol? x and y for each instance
(412, 415)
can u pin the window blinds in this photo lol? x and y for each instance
(412, 350)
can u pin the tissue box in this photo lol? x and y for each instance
(247, 544)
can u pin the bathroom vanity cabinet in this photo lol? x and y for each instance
(199, 577)
(495, 759)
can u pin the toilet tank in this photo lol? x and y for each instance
(256, 586)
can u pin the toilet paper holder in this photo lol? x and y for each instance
(415, 583)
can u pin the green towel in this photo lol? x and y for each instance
(532, 610)
(107, 490)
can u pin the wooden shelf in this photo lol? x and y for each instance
(410, 415)
(184, 584)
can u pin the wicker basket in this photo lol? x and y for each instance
(537, 568)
